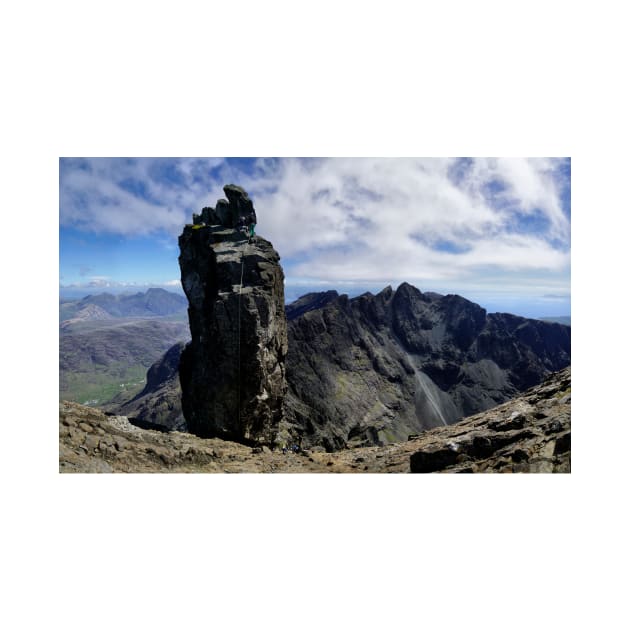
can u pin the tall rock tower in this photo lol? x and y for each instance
(232, 373)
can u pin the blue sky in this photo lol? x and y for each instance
(495, 230)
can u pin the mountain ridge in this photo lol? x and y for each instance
(387, 361)
(376, 368)
(155, 302)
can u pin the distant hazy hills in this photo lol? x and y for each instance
(107, 343)
(152, 303)
(566, 320)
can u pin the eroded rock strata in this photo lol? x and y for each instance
(529, 434)
(376, 368)
(232, 372)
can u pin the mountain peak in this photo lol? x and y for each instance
(374, 369)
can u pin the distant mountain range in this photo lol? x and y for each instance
(152, 303)
(376, 368)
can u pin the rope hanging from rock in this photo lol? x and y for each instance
(240, 290)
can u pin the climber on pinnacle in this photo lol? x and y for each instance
(242, 226)
(232, 373)
(251, 222)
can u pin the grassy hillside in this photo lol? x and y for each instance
(101, 360)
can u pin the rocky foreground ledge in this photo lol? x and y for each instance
(531, 433)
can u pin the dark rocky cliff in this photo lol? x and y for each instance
(232, 372)
(159, 403)
(377, 368)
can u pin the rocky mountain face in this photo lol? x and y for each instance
(531, 433)
(309, 302)
(159, 403)
(232, 373)
(354, 380)
(377, 368)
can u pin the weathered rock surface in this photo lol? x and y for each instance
(159, 402)
(531, 433)
(309, 302)
(232, 373)
(228, 212)
(377, 368)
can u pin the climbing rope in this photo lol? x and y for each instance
(240, 290)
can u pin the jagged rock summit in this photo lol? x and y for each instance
(228, 212)
(232, 372)
(377, 368)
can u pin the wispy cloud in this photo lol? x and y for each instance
(366, 218)
(446, 221)
(133, 196)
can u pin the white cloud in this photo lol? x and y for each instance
(530, 186)
(370, 218)
(134, 196)
(354, 219)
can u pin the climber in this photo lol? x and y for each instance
(251, 220)
(241, 226)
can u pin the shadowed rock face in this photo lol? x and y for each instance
(531, 433)
(159, 403)
(228, 212)
(232, 372)
(377, 368)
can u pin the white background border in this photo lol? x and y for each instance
(325, 79)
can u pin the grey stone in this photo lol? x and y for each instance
(92, 442)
